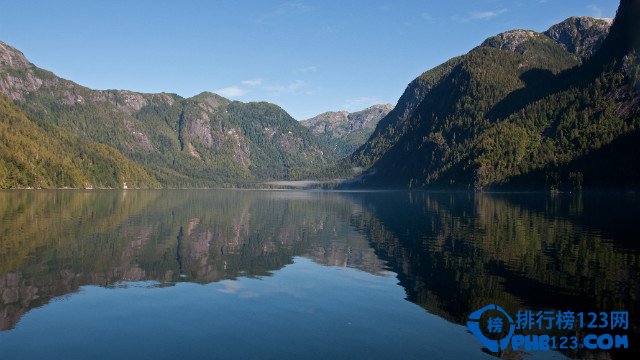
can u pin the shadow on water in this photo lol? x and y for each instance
(452, 252)
(457, 252)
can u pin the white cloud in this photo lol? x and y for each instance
(231, 91)
(307, 69)
(257, 85)
(485, 14)
(428, 17)
(480, 15)
(252, 82)
(597, 12)
(230, 287)
(290, 88)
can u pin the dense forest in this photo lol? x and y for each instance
(202, 141)
(48, 156)
(520, 110)
(552, 110)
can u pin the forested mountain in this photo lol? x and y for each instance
(48, 156)
(523, 109)
(342, 131)
(580, 35)
(521, 104)
(205, 140)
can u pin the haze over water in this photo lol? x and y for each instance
(300, 274)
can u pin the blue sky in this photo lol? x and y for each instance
(306, 56)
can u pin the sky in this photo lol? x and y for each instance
(306, 56)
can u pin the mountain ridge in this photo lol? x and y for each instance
(345, 131)
(466, 127)
(520, 102)
(205, 140)
(27, 159)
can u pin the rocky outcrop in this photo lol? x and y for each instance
(12, 58)
(433, 132)
(510, 40)
(232, 141)
(343, 131)
(580, 35)
(341, 123)
(326, 122)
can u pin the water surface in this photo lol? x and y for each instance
(295, 274)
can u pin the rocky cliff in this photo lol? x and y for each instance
(343, 132)
(205, 140)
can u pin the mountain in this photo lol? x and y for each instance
(344, 132)
(210, 235)
(205, 140)
(580, 35)
(521, 103)
(44, 157)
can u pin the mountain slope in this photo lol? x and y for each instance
(580, 35)
(344, 132)
(205, 140)
(517, 104)
(44, 157)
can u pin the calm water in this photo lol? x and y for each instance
(306, 275)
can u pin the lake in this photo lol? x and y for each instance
(167, 274)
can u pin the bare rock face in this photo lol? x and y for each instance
(340, 123)
(368, 118)
(226, 137)
(127, 101)
(12, 58)
(212, 100)
(202, 121)
(326, 122)
(240, 148)
(16, 73)
(198, 126)
(510, 40)
(580, 35)
(344, 131)
(19, 77)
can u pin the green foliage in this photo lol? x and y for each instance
(48, 157)
(499, 114)
(155, 135)
(555, 130)
(344, 145)
(278, 143)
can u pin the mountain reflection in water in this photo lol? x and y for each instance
(451, 252)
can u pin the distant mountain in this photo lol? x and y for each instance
(521, 103)
(205, 140)
(344, 132)
(522, 109)
(43, 157)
